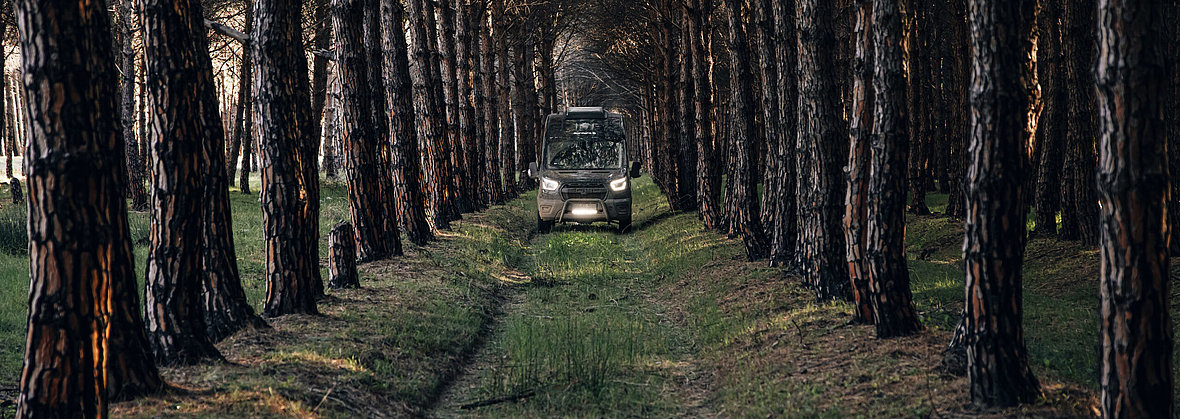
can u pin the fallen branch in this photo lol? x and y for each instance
(498, 400)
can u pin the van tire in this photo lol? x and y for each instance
(543, 227)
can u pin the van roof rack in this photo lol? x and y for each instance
(585, 112)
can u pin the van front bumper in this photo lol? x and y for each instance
(582, 210)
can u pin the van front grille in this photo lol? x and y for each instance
(584, 190)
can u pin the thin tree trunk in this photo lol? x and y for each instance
(504, 103)
(709, 162)
(1136, 329)
(492, 179)
(1002, 101)
(319, 85)
(429, 115)
(1051, 127)
(135, 176)
(243, 113)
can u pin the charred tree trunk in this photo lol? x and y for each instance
(856, 206)
(342, 258)
(179, 76)
(1136, 329)
(708, 174)
(889, 277)
(1002, 99)
(448, 66)
(822, 143)
(742, 204)
(135, 176)
(86, 340)
(358, 131)
(281, 110)
(407, 171)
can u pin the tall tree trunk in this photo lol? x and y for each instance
(407, 172)
(319, 84)
(918, 102)
(1172, 35)
(1051, 127)
(958, 111)
(766, 47)
(448, 65)
(1080, 203)
(492, 179)
(686, 148)
(468, 148)
(135, 176)
(281, 110)
(742, 205)
(82, 299)
(504, 103)
(1136, 329)
(522, 87)
(243, 113)
(889, 277)
(822, 145)
(180, 93)
(708, 193)
(784, 234)
(1002, 99)
(358, 131)
(374, 63)
(856, 206)
(430, 114)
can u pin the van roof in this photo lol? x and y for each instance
(585, 112)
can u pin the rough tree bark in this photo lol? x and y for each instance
(465, 43)
(319, 84)
(504, 102)
(1002, 98)
(358, 131)
(135, 176)
(1080, 200)
(82, 299)
(1136, 329)
(856, 205)
(1051, 128)
(742, 204)
(822, 145)
(407, 172)
(784, 233)
(708, 193)
(244, 113)
(889, 277)
(342, 258)
(430, 116)
(281, 109)
(179, 77)
(375, 65)
(448, 66)
(493, 181)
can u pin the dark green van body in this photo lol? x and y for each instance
(584, 173)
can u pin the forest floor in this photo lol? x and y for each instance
(668, 320)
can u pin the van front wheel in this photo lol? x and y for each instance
(624, 225)
(543, 227)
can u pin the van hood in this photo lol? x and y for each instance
(584, 175)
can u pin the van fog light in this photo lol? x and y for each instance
(584, 211)
(618, 185)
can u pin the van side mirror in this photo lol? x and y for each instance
(533, 173)
(635, 173)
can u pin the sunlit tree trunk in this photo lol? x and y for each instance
(243, 138)
(382, 137)
(430, 116)
(407, 171)
(135, 176)
(1002, 98)
(179, 76)
(1133, 184)
(448, 66)
(281, 110)
(80, 256)
(822, 147)
(860, 134)
(319, 84)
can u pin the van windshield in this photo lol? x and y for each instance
(587, 144)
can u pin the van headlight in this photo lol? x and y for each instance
(548, 184)
(618, 185)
